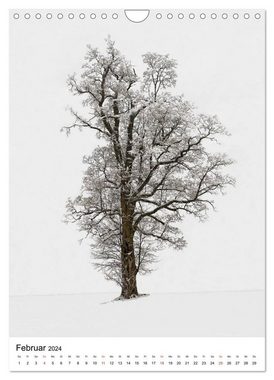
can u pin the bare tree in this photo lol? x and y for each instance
(153, 166)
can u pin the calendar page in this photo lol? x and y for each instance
(137, 176)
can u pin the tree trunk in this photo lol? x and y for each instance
(129, 284)
(129, 270)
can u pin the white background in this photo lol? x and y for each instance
(220, 69)
(224, 256)
(4, 133)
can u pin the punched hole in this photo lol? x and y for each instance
(137, 15)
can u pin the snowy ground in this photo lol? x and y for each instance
(174, 314)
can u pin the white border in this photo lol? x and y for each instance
(248, 4)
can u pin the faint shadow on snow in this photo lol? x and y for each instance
(122, 298)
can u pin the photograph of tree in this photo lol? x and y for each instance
(152, 166)
(137, 198)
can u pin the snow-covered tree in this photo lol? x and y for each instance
(153, 164)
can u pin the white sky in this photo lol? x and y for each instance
(220, 69)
